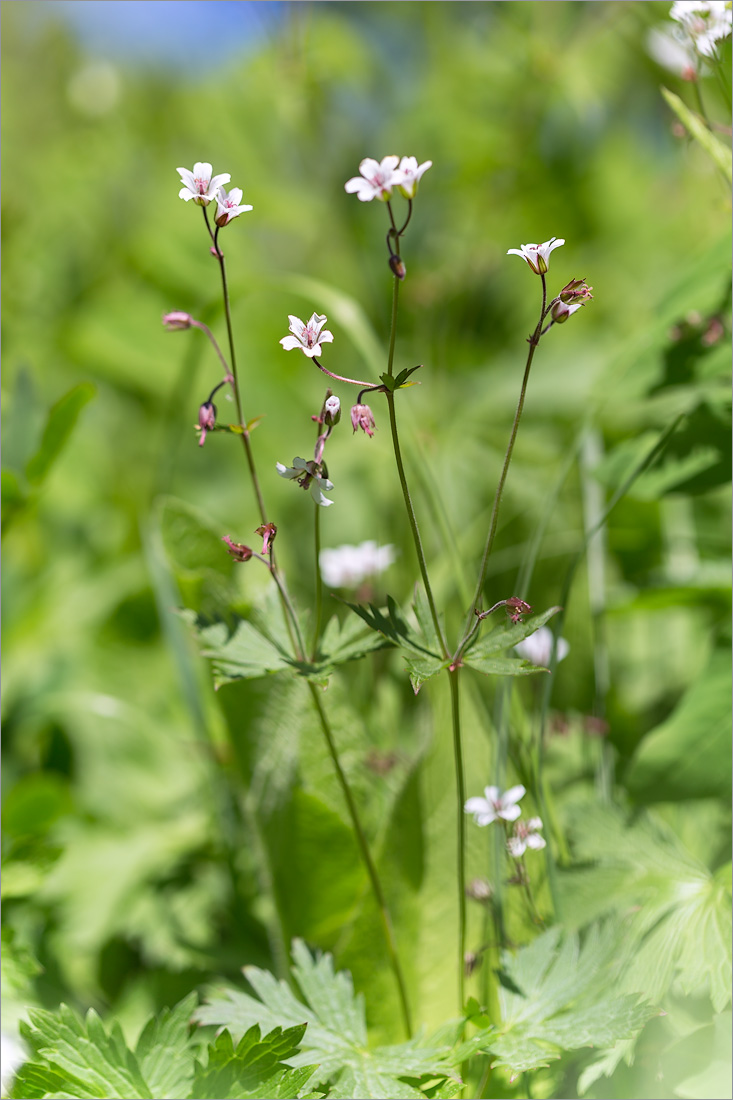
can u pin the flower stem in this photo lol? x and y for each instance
(533, 342)
(376, 885)
(461, 833)
(319, 584)
(340, 378)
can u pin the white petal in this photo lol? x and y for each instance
(202, 170)
(485, 819)
(286, 471)
(354, 184)
(187, 177)
(515, 847)
(534, 823)
(536, 842)
(492, 794)
(513, 795)
(297, 327)
(476, 806)
(290, 342)
(311, 352)
(368, 167)
(509, 813)
(185, 194)
(326, 337)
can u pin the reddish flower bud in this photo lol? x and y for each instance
(207, 420)
(177, 320)
(397, 266)
(238, 550)
(361, 417)
(268, 532)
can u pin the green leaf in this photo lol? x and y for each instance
(255, 1068)
(336, 1035)
(163, 1050)
(61, 420)
(563, 997)
(190, 541)
(401, 383)
(689, 755)
(395, 628)
(421, 669)
(242, 655)
(482, 655)
(346, 641)
(695, 126)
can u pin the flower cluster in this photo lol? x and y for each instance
(495, 806)
(705, 23)
(204, 187)
(378, 179)
(348, 566)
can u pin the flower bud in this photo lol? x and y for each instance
(361, 417)
(577, 290)
(397, 266)
(177, 320)
(331, 410)
(561, 311)
(207, 420)
(238, 550)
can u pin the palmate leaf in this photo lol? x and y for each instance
(254, 1068)
(562, 997)
(423, 646)
(336, 1035)
(486, 655)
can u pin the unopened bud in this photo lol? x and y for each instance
(177, 320)
(238, 550)
(397, 266)
(561, 311)
(207, 420)
(268, 532)
(332, 410)
(577, 290)
(361, 417)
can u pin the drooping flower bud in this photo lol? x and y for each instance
(361, 417)
(561, 311)
(331, 410)
(238, 550)
(207, 420)
(268, 532)
(177, 320)
(397, 266)
(577, 290)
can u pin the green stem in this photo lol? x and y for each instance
(461, 834)
(376, 885)
(319, 584)
(533, 342)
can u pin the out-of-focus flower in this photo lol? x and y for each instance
(308, 337)
(238, 550)
(537, 255)
(308, 477)
(561, 311)
(705, 23)
(526, 835)
(207, 420)
(673, 50)
(332, 410)
(480, 889)
(376, 180)
(408, 175)
(537, 648)
(347, 566)
(361, 417)
(12, 1057)
(268, 532)
(228, 205)
(177, 320)
(200, 185)
(495, 805)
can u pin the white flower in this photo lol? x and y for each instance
(667, 49)
(705, 23)
(200, 185)
(227, 205)
(12, 1057)
(525, 836)
(495, 805)
(537, 648)
(376, 180)
(307, 337)
(537, 255)
(308, 477)
(348, 566)
(408, 175)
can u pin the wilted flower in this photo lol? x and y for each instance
(177, 320)
(706, 23)
(238, 550)
(200, 185)
(516, 608)
(207, 420)
(268, 532)
(537, 255)
(361, 417)
(537, 648)
(331, 410)
(227, 206)
(526, 835)
(408, 175)
(495, 805)
(376, 180)
(348, 566)
(308, 477)
(577, 290)
(308, 337)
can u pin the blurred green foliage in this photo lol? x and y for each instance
(133, 871)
